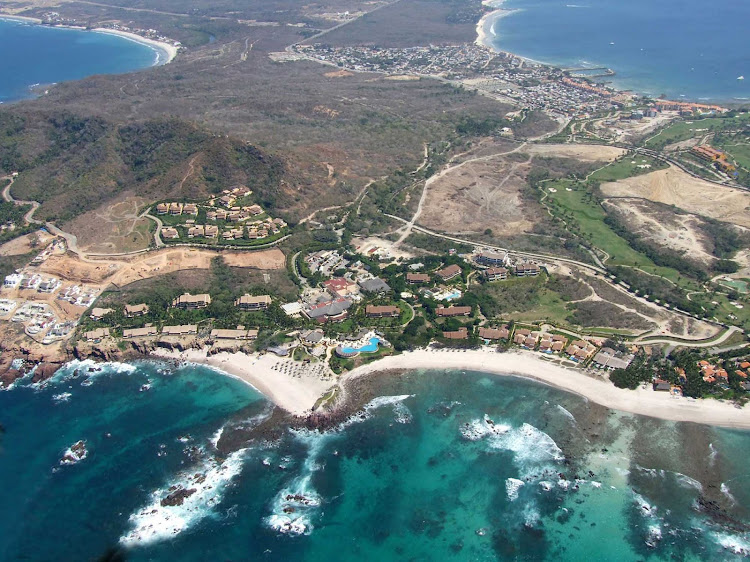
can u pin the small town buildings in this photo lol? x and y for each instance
(292, 308)
(495, 274)
(451, 311)
(527, 270)
(501, 333)
(184, 330)
(375, 285)
(250, 302)
(492, 258)
(415, 278)
(162, 208)
(211, 231)
(448, 273)
(49, 285)
(332, 311)
(175, 209)
(99, 313)
(146, 331)
(341, 287)
(135, 310)
(236, 335)
(373, 311)
(192, 302)
(460, 334)
(227, 201)
(96, 335)
(190, 209)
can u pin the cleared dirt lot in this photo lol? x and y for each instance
(483, 188)
(583, 152)
(113, 228)
(23, 244)
(144, 266)
(480, 194)
(674, 187)
(663, 227)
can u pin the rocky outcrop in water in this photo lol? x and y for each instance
(178, 496)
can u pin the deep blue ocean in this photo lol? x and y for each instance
(675, 47)
(35, 54)
(441, 466)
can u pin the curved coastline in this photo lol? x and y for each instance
(299, 394)
(165, 52)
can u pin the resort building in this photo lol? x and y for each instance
(334, 311)
(139, 332)
(608, 358)
(99, 313)
(238, 334)
(13, 280)
(184, 330)
(211, 231)
(494, 333)
(192, 302)
(415, 278)
(96, 335)
(460, 334)
(134, 310)
(448, 273)
(190, 209)
(375, 286)
(496, 274)
(373, 311)
(451, 311)
(492, 258)
(249, 302)
(194, 231)
(341, 287)
(175, 209)
(169, 233)
(162, 208)
(527, 270)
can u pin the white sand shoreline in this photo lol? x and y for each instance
(530, 365)
(26, 19)
(272, 376)
(296, 388)
(169, 50)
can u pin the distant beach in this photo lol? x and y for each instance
(168, 50)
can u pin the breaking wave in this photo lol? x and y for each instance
(201, 490)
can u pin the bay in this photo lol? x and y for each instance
(36, 54)
(670, 47)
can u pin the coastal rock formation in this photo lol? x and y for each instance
(177, 496)
(75, 454)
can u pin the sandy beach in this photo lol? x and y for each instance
(20, 18)
(485, 23)
(167, 48)
(286, 383)
(296, 387)
(530, 365)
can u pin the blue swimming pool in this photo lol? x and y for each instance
(367, 348)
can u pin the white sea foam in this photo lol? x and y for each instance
(214, 439)
(733, 543)
(74, 454)
(566, 413)
(62, 397)
(155, 522)
(712, 453)
(296, 505)
(89, 369)
(725, 490)
(512, 487)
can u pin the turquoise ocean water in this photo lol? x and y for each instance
(35, 54)
(442, 466)
(673, 47)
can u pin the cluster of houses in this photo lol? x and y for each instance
(340, 293)
(186, 301)
(326, 262)
(240, 216)
(714, 374)
(499, 265)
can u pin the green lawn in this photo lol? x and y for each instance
(627, 167)
(683, 130)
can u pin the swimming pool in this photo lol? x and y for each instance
(367, 348)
